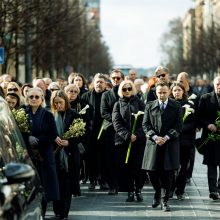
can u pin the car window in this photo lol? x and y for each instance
(12, 147)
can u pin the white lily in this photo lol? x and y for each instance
(138, 114)
(193, 96)
(83, 111)
(190, 101)
(188, 111)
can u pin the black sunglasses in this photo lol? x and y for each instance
(34, 96)
(127, 89)
(163, 75)
(114, 78)
(73, 91)
(54, 90)
(13, 89)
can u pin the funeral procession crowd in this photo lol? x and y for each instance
(118, 132)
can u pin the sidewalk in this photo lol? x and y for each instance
(99, 205)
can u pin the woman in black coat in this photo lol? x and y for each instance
(72, 91)
(131, 176)
(187, 137)
(40, 143)
(67, 153)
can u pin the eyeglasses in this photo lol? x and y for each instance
(13, 89)
(116, 77)
(73, 91)
(34, 96)
(163, 75)
(127, 89)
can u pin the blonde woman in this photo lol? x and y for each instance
(41, 143)
(131, 176)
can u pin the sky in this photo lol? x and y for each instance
(132, 28)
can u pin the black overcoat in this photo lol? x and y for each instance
(157, 123)
(208, 107)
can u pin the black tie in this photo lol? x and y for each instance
(162, 106)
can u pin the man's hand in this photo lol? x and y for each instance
(160, 141)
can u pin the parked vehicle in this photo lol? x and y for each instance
(20, 189)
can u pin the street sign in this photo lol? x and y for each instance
(2, 55)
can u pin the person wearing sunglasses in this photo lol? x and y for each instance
(77, 103)
(162, 74)
(107, 103)
(131, 176)
(41, 141)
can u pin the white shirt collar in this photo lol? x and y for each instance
(163, 102)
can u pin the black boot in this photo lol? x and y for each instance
(130, 197)
(138, 195)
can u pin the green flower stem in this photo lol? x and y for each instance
(129, 146)
(100, 131)
(185, 115)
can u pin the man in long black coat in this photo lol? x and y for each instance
(109, 98)
(209, 105)
(95, 150)
(162, 125)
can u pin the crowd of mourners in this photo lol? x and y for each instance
(137, 130)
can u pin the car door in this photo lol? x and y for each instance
(18, 200)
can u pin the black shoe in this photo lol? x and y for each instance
(165, 207)
(156, 201)
(130, 197)
(180, 197)
(112, 192)
(214, 195)
(139, 195)
(171, 194)
(104, 186)
(92, 186)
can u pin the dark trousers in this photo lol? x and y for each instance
(110, 155)
(179, 182)
(213, 178)
(161, 181)
(94, 158)
(191, 164)
(62, 206)
(74, 170)
(130, 176)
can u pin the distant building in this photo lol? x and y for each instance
(93, 11)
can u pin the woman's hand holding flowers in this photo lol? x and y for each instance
(65, 143)
(133, 138)
(58, 141)
(212, 127)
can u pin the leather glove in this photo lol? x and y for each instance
(33, 140)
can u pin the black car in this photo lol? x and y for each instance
(20, 189)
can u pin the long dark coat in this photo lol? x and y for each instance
(157, 123)
(73, 152)
(123, 120)
(208, 107)
(43, 127)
